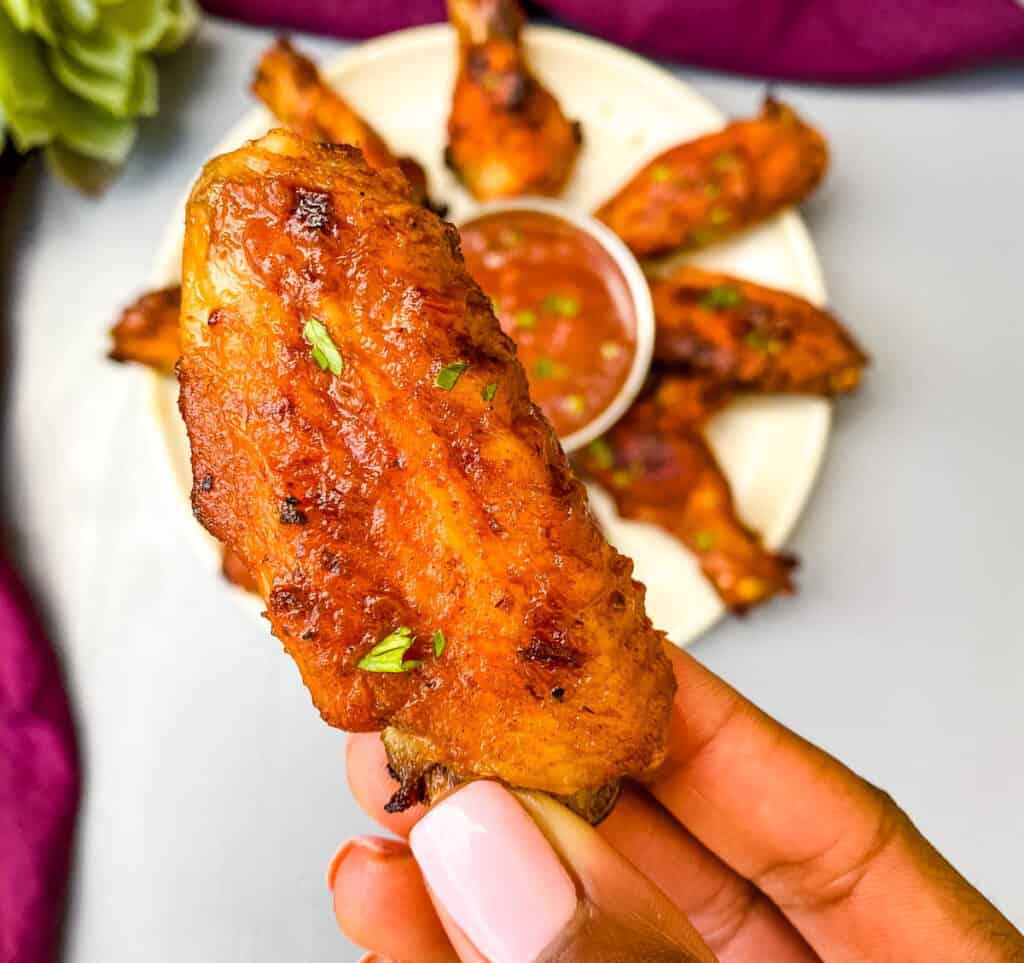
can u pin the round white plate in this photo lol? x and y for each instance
(770, 448)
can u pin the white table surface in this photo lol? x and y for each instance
(215, 797)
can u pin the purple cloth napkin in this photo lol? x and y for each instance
(847, 41)
(38, 783)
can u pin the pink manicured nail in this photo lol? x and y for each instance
(493, 871)
(375, 845)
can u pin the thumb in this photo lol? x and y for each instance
(518, 878)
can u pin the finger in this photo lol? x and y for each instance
(381, 902)
(520, 878)
(733, 917)
(836, 855)
(728, 911)
(372, 784)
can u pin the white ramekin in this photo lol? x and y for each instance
(639, 292)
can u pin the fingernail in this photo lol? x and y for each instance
(374, 845)
(493, 871)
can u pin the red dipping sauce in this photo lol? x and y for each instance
(565, 302)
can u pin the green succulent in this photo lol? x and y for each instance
(76, 74)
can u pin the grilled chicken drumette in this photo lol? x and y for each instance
(426, 555)
(507, 134)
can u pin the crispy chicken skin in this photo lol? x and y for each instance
(373, 499)
(147, 331)
(752, 336)
(507, 134)
(658, 467)
(699, 192)
(292, 88)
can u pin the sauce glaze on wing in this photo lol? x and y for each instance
(659, 468)
(291, 86)
(707, 189)
(373, 500)
(147, 331)
(752, 336)
(507, 135)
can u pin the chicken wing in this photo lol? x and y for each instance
(291, 87)
(699, 192)
(147, 331)
(363, 439)
(658, 467)
(507, 134)
(752, 336)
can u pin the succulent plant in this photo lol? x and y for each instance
(76, 74)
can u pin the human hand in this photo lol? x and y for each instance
(749, 845)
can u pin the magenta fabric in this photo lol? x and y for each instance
(38, 783)
(846, 41)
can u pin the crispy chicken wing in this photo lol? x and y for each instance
(507, 134)
(147, 331)
(426, 556)
(755, 337)
(699, 192)
(658, 467)
(292, 88)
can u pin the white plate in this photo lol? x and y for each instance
(770, 448)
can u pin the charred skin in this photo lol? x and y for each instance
(751, 336)
(147, 331)
(657, 466)
(373, 499)
(507, 134)
(707, 189)
(291, 87)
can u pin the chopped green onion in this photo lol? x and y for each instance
(488, 392)
(719, 215)
(705, 235)
(561, 304)
(387, 655)
(704, 540)
(439, 643)
(661, 173)
(762, 342)
(547, 368)
(726, 161)
(325, 352)
(722, 296)
(602, 454)
(525, 320)
(575, 404)
(622, 477)
(448, 376)
(610, 350)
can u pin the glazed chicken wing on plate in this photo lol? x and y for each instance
(507, 134)
(752, 336)
(147, 331)
(424, 551)
(707, 189)
(657, 466)
(292, 88)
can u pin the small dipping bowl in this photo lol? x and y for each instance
(582, 379)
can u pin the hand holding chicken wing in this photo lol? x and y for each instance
(425, 554)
